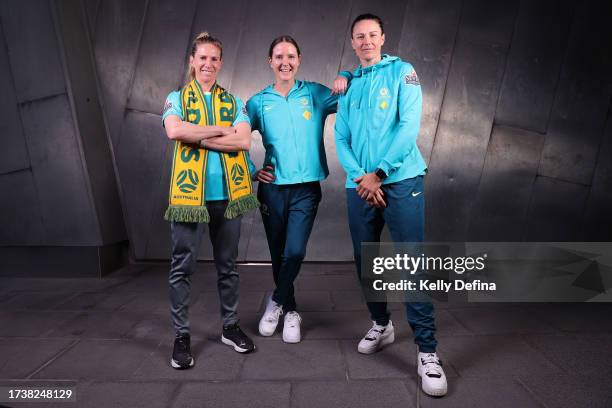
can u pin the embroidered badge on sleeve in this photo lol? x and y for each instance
(167, 106)
(412, 78)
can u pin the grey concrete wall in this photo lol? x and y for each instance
(516, 125)
(57, 179)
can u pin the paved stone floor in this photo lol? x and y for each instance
(112, 339)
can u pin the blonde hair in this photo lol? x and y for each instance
(202, 38)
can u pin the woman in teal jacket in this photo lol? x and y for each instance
(290, 115)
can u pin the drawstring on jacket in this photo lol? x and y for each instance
(371, 84)
(263, 126)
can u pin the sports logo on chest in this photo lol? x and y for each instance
(383, 98)
(305, 104)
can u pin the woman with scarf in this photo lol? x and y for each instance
(210, 183)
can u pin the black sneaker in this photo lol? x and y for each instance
(181, 355)
(235, 337)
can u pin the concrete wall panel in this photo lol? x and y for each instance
(505, 188)
(461, 142)
(14, 156)
(20, 210)
(118, 27)
(556, 210)
(488, 22)
(95, 144)
(583, 96)
(141, 158)
(163, 49)
(158, 243)
(330, 238)
(31, 39)
(428, 39)
(534, 63)
(598, 216)
(59, 174)
(91, 8)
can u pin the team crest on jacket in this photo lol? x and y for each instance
(412, 78)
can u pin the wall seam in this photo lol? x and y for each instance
(488, 147)
(128, 224)
(442, 102)
(75, 119)
(101, 102)
(45, 232)
(607, 124)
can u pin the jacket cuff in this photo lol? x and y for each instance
(386, 167)
(346, 74)
(357, 173)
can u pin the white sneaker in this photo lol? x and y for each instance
(433, 379)
(269, 320)
(376, 337)
(291, 329)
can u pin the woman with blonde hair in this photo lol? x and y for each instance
(210, 183)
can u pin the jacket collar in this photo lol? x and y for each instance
(296, 87)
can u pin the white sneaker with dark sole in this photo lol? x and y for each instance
(377, 337)
(433, 379)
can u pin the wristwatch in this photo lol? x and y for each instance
(380, 173)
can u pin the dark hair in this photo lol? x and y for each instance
(202, 38)
(281, 39)
(368, 16)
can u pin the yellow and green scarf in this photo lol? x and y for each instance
(187, 195)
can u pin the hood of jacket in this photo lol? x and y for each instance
(386, 60)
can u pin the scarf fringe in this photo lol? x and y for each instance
(181, 213)
(240, 206)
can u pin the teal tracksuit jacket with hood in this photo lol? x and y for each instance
(378, 121)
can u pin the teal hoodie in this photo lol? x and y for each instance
(378, 121)
(292, 130)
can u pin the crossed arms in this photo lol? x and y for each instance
(219, 138)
